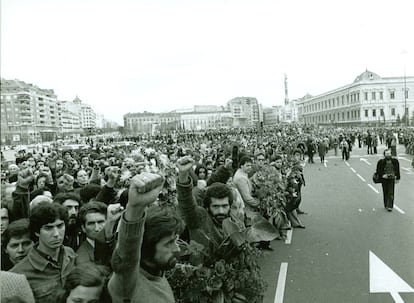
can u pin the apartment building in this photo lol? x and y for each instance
(29, 114)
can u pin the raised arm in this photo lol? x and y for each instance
(193, 214)
(21, 196)
(143, 191)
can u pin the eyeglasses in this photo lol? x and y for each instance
(260, 159)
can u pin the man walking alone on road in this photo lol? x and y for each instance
(389, 171)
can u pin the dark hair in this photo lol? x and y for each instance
(91, 207)
(197, 169)
(160, 223)
(219, 191)
(62, 197)
(221, 175)
(87, 275)
(16, 229)
(244, 160)
(208, 162)
(41, 175)
(89, 191)
(45, 213)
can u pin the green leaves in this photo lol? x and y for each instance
(261, 230)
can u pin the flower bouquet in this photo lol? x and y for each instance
(223, 277)
(271, 191)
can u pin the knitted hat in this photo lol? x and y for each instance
(89, 191)
(221, 175)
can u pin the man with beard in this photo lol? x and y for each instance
(58, 169)
(16, 243)
(389, 171)
(147, 245)
(207, 220)
(72, 203)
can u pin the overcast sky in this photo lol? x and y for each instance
(129, 56)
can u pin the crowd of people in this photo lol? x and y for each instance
(106, 223)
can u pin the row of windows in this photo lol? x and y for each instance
(350, 99)
(24, 98)
(152, 120)
(353, 114)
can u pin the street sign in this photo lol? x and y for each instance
(383, 279)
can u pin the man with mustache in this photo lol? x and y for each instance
(207, 220)
(49, 262)
(72, 202)
(147, 245)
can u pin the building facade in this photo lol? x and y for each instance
(272, 115)
(140, 123)
(29, 114)
(70, 117)
(370, 100)
(206, 120)
(245, 112)
(239, 112)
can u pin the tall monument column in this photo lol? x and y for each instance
(286, 91)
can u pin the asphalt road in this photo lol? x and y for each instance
(346, 225)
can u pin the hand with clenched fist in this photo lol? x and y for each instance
(143, 191)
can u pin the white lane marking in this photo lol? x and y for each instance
(373, 188)
(396, 297)
(359, 176)
(406, 168)
(324, 163)
(365, 160)
(383, 279)
(289, 236)
(281, 281)
(399, 209)
(347, 164)
(353, 170)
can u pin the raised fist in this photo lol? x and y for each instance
(144, 189)
(25, 177)
(114, 211)
(184, 164)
